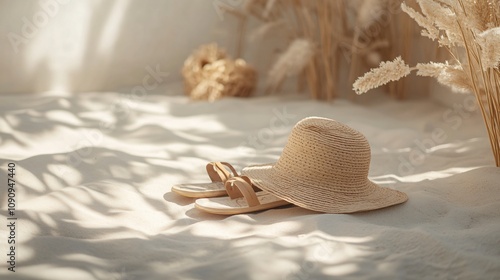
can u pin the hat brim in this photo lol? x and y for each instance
(322, 199)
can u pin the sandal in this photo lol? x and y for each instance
(242, 199)
(218, 173)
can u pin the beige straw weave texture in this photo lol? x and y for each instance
(324, 167)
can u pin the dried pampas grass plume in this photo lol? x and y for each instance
(386, 72)
(265, 29)
(444, 19)
(210, 75)
(452, 76)
(257, 8)
(291, 62)
(370, 12)
(269, 8)
(373, 58)
(482, 13)
(429, 30)
(470, 31)
(489, 41)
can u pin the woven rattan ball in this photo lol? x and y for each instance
(210, 75)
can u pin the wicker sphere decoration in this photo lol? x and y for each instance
(210, 75)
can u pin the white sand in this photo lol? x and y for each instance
(95, 203)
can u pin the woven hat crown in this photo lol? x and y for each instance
(322, 150)
(324, 167)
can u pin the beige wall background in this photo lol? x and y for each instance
(86, 45)
(99, 45)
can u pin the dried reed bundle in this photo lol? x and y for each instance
(470, 31)
(309, 24)
(210, 75)
(361, 31)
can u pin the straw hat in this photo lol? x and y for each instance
(324, 167)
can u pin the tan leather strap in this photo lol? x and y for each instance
(218, 173)
(242, 187)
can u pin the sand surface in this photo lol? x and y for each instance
(94, 172)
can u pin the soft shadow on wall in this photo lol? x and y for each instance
(96, 45)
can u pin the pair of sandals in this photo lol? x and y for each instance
(228, 193)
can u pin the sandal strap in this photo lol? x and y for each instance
(242, 187)
(218, 173)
